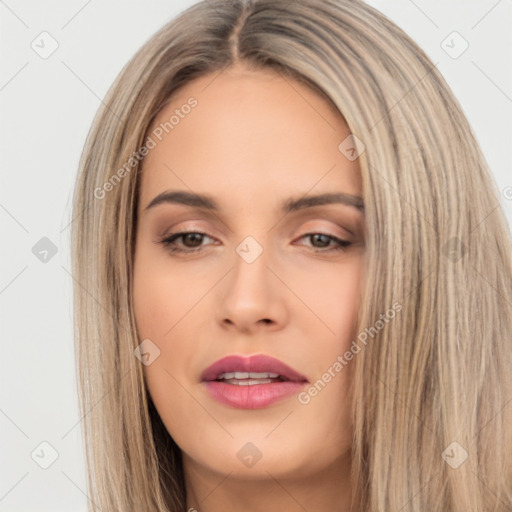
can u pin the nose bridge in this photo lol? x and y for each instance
(251, 292)
(250, 250)
(250, 266)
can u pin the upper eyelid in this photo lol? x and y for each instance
(345, 230)
(346, 220)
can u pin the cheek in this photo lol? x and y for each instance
(334, 297)
(161, 298)
(332, 294)
(147, 294)
(161, 302)
(164, 300)
(345, 304)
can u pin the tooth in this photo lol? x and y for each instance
(248, 375)
(249, 382)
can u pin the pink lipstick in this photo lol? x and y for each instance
(251, 382)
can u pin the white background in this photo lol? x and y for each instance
(47, 108)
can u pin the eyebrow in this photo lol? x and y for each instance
(290, 205)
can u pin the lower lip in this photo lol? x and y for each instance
(256, 396)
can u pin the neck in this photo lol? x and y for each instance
(210, 491)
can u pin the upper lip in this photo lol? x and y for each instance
(253, 363)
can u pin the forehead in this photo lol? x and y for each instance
(249, 132)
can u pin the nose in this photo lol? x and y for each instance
(252, 297)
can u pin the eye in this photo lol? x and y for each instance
(190, 242)
(324, 240)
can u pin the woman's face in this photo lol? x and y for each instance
(256, 278)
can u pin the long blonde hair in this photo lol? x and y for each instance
(432, 391)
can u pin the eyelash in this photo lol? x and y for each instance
(168, 242)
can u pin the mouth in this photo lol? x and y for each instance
(250, 378)
(251, 382)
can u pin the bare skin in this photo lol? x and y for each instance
(253, 141)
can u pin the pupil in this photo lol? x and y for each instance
(191, 236)
(326, 239)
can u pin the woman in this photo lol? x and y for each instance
(295, 274)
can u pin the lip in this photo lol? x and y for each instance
(254, 396)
